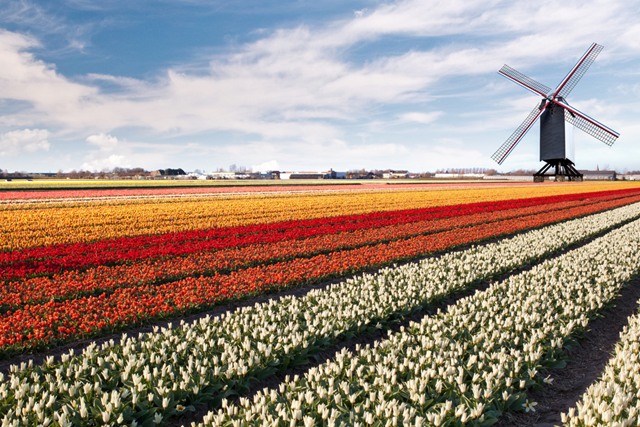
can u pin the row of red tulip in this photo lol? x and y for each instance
(40, 326)
(126, 243)
(48, 260)
(95, 281)
(71, 283)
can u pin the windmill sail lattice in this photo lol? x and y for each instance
(579, 70)
(589, 128)
(554, 111)
(523, 80)
(506, 148)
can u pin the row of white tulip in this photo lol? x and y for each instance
(161, 373)
(614, 399)
(463, 367)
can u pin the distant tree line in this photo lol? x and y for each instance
(105, 173)
(234, 168)
(120, 172)
(4, 173)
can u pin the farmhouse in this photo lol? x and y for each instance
(598, 175)
(360, 175)
(389, 174)
(167, 172)
(331, 174)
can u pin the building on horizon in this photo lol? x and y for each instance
(331, 174)
(598, 175)
(392, 174)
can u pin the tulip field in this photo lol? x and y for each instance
(106, 300)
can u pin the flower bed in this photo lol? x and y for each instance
(43, 325)
(52, 259)
(28, 226)
(464, 367)
(613, 400)
(96, 281)
(223, 189)
(160, 374)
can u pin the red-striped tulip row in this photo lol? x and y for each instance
(47, 260)
(126, 243)
(95, 281)
(54, 322)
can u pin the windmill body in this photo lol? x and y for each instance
(554, 112)
(552, 134)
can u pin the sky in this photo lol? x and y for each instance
(305, 85)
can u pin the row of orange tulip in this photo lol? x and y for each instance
(28, 226)
(43, 325)
(100, 279)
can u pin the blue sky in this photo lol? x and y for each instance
(305, 85)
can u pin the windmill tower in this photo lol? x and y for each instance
(553, 112)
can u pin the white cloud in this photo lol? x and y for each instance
(359, 13)
(112, 152)
(27, 140)
(53, 98)
(101, 159)
(104, 142)
(95, 163)
(26, 13)
(337, 154)
(450, 153)
(296, 82)
(271, 165)
(298, 89)
(424, 118)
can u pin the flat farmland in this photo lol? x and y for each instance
(386, 305)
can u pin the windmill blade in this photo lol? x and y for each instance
(506, 148)
(524, 81)
(589, 125)
(573, 77)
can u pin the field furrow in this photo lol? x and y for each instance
(614, 399)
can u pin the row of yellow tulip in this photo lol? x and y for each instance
(37, 225)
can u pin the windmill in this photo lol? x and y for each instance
(553, 111)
